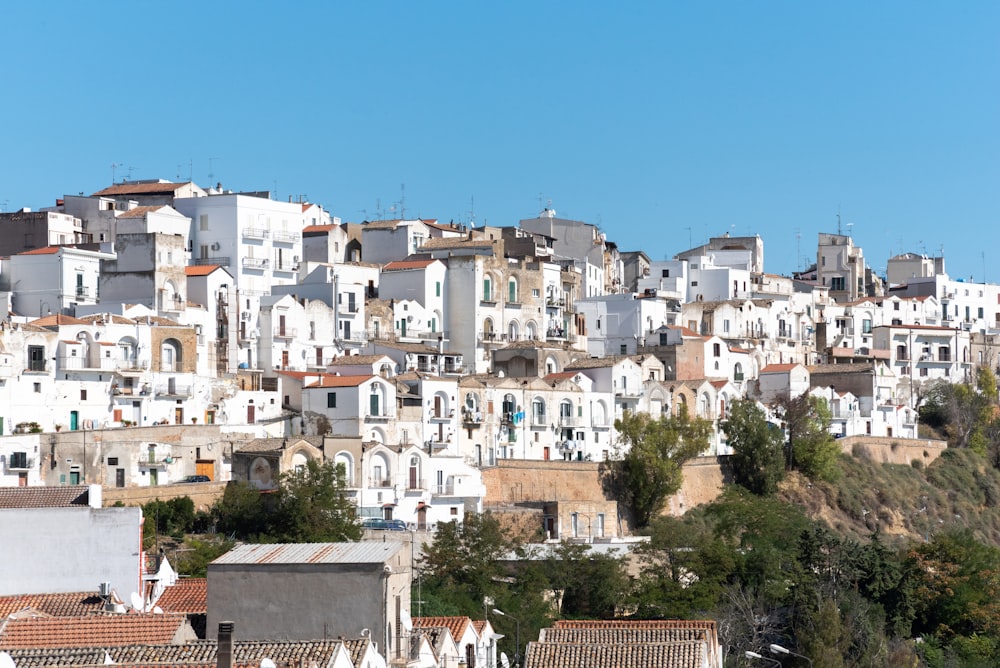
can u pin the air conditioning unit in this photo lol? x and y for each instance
(216, 246)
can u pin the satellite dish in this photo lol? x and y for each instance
(6, 661)
(136, 601)
(504, 661)
(405, 620)
(157, 610)
(107, 659)
(267, 663)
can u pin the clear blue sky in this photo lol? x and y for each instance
(659, 121)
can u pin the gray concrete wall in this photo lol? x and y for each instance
(53, 550)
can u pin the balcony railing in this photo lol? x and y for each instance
(600, 422)
(380, 482)
(37, 366)
(285, 332)
(174, 390)
(255, 263)
(222, 261)
(444, 490)
(285, 237)
(569, 421)
(371, 417)
(416, 484)
(82, 292)
(255, 233)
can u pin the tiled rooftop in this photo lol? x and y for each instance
(43, 497)
(455, 625)
(187, 595)
(100, 630)
(653, 655)
(57, 605)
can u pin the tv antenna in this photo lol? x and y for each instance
(402, 201)
(798, 252)
(114, 168)
(211, 171)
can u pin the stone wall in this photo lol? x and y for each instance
(204, 494)
(886, 450)
(703, 482)
(528, 481)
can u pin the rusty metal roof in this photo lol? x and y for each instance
(366, 552)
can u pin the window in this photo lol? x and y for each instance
(725, 326)
(112, 461)
(83, 395)
(624, 349)
(203, 222)
(895, 306)
(437, 288)
(512, 291)
(487, 290)
(38, 388)
(331, 399)
(716, 350)
(19, 460)
(535, 293)
(866, 326)
(837, 283)
(36, 358)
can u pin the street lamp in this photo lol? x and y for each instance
(778, 649)
(517, 635)
(759, 657)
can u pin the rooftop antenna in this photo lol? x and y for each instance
(472, 211)
(211, 171)
(5, 203)
(114, 168)
(798, 253)
(130, 168)
(849, 226)
(402, 201)
(690, 245)
(838, 221)
(190, 170)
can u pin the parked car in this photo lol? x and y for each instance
(383, 525)
(195, 478)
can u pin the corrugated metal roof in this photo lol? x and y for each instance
(367, 552)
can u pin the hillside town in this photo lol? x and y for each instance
(164, 338)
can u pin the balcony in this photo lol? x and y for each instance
(285, 332)
(284, 237)
(538, 420)
(255, 233)
(71, 362)
(556, 333)
(287, 266)
(380, 482)
(19, 461)
(173, 390)
(472, 420)
(569, 421)
(416, 485)
(371, 417)
(447, 489)
(256, 263)
(37, 366)
(442, 417)
(222, 261)
(82, 293)
(600, 422)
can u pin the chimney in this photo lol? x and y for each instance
(224, 654)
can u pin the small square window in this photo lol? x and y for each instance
(38, 388)
(112, 461)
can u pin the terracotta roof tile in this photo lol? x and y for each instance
(71, 604)
(352, 360)
(329, 380)
(187, 595)
(200, 269)
(140, 189)
(690, 654)
(455, 625)
(140, 211)
(48, 250)
(778, 368)
(43, 497)
(100, 630)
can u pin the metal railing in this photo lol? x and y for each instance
(255, 233)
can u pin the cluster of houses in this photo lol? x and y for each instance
(340, 605)
(157, 330)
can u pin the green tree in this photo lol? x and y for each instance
(966, 413)
(312, 506)
(757, 460)
(812, 449)
(593, 585)
(650, 470)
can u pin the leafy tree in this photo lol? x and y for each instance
(812, 449)
(650, 470)
(242, 512)
(593, 586)
(463, 564)
(966, 413)
(683, 570)
(193, 561)
(757, 459)
(310, 505)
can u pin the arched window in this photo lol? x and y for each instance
(531, 330)
(513, 330)
(345, 462)
(538, 411)
(488, 333)
(170, 355)
(512, 290)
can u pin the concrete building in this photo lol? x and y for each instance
(313, 590)
(106, 542)
(27, 230)
(55, 279)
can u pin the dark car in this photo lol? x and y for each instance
(195, 478)
(383, 525)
